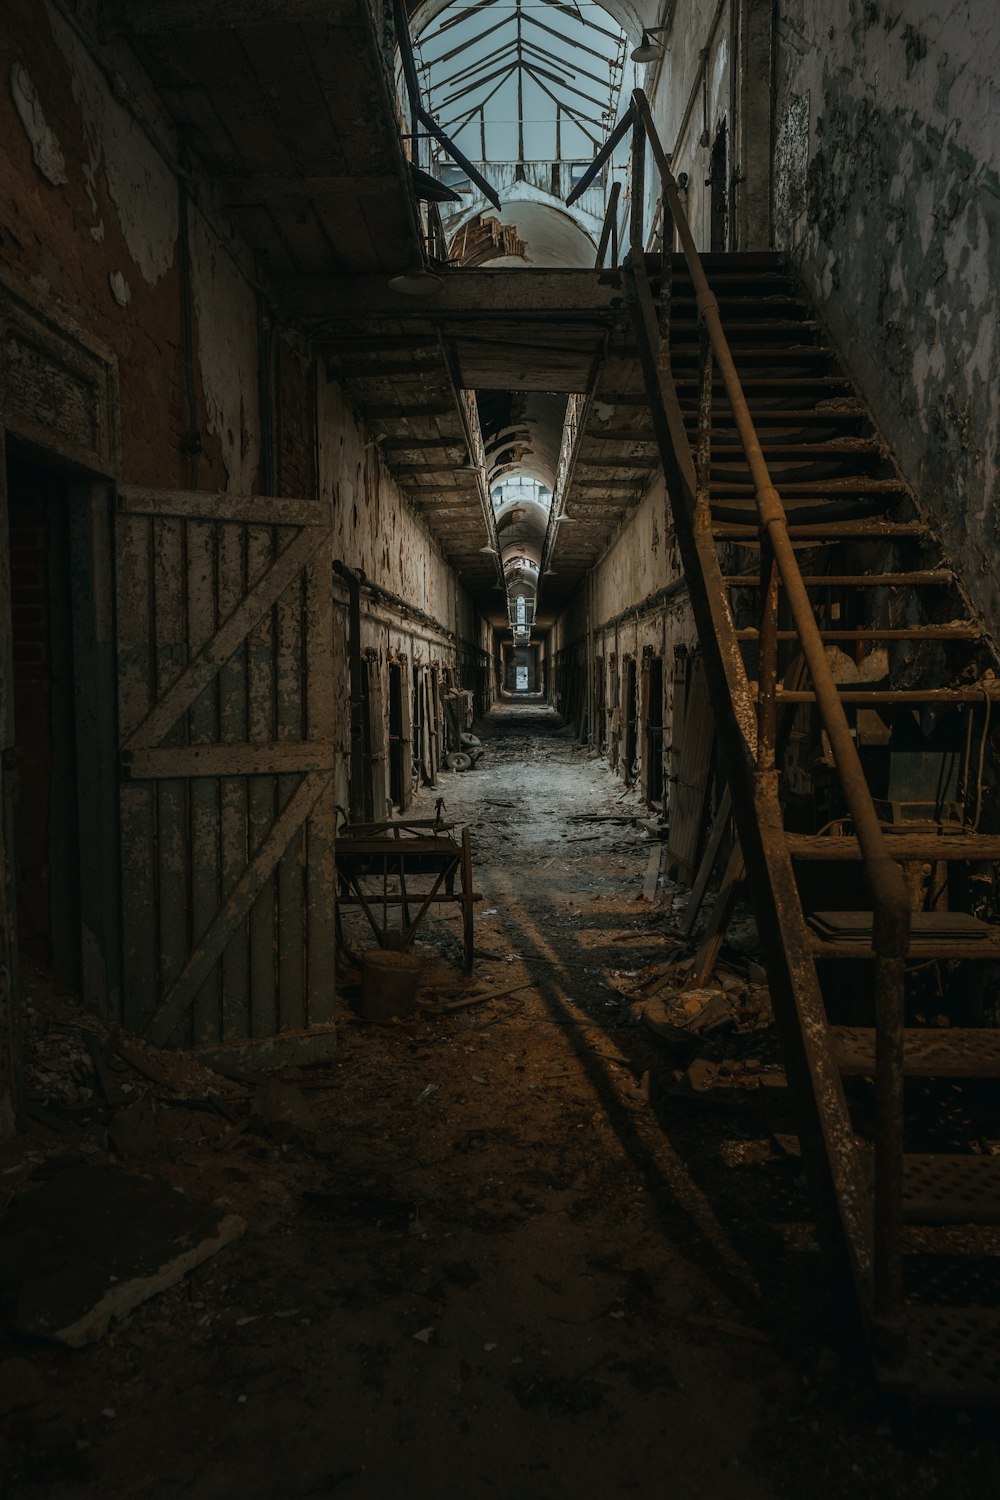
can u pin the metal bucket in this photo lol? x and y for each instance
(389, 983)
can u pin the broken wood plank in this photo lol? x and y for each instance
(707, 865)
(705, 959)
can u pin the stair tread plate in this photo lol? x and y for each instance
(928, 1052)
(947, 925)
(939, 1188)
(912, 844)
(954, 1355)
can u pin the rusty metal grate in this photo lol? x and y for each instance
(946, 1189)
(956, 1353)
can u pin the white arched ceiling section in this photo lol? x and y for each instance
(553, 235)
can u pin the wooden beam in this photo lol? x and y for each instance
(145, 17)
(401, 413)
(277, 757)
(422, 443)
(271, 187)
(483, 292)
(267, 510)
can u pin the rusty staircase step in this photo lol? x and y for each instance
(852, 484)
(878, 633)
(861, 529)
(954, 1355)
(897, 697)
(928, 1052)
(923, 846)
(855, 447)
(929, 577)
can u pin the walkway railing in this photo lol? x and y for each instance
(779, 567)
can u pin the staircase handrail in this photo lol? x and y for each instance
(886, 882)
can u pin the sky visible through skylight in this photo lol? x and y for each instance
(523, 80)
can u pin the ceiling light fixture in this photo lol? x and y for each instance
(648, 51)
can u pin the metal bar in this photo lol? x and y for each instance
(564, 67)
(607, 230)
(431, 62)
(575, 15)
(459, 157)
(613, 141)
(562, 37)
(533, 67)
(506, 68)
(575, 115)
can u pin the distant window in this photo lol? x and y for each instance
(577, 170)
(521, 615)
(454, 178)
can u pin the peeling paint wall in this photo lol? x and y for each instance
(90, 225)
(887, 195)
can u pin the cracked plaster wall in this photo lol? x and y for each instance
(887, 195)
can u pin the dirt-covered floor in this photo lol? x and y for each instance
(498, 1250)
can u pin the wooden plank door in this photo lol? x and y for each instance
(226, 720)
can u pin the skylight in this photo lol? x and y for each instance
(523, 81)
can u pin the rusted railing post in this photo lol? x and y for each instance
(767, 657)
(703, 452)
(609, 229)
(637, 207)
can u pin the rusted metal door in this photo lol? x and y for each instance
(226, 717)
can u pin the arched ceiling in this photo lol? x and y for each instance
(551, 237)
(631, 15)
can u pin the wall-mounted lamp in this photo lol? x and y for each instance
(648, 50)
(416, 283)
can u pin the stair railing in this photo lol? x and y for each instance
(779, 568)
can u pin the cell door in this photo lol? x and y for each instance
(226, 715)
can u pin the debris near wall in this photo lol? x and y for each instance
(133, 1167)
(463, 749)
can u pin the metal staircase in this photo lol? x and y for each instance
(854, 694)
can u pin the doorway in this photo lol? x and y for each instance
(45, 779)
(630, 716)
(719, 199)
(653, 749)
